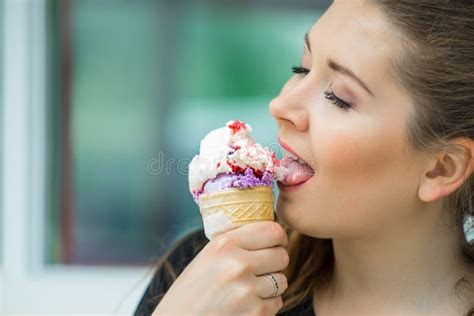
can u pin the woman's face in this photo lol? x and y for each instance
(365, 173)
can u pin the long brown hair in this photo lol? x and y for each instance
(437, 69)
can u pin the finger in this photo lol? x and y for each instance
(257, 235)
(265, 286)
(271, 305)
(267, 260)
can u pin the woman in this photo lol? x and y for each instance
(381, 111)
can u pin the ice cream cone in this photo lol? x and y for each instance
(241, 206)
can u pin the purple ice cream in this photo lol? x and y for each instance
(235, 181)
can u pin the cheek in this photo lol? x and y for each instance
(354, 154)
(359, 169)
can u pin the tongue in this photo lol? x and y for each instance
(297, 172)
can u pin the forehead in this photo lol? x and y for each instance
(356, 34)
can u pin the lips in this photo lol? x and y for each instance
(299, 171)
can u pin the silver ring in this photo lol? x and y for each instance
(275, 284)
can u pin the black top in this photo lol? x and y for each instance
(179, 258)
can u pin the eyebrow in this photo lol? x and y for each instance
(346, 71)
(339, 68)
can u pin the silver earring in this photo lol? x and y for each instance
(469, 228)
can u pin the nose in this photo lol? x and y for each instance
(290, 108)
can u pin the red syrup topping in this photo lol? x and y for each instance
(236, 126)
(258, 173)
(237, 169)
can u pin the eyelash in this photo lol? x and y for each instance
(329, 95)
(299, 70)
(336, 101)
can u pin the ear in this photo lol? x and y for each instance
(447, 172)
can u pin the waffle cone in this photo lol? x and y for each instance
(242, 206)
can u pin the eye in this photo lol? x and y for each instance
(336, 101)
(299, 70)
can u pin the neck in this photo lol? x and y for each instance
(414, 267)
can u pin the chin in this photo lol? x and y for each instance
(302, 220)
(293, 216)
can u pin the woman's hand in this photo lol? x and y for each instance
(228, 276)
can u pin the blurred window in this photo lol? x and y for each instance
(136, 85)
(1, 131)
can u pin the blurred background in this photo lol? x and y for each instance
(103, 104)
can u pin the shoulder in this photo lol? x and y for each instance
(171, 265)
(186, 248)
(181, 252)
